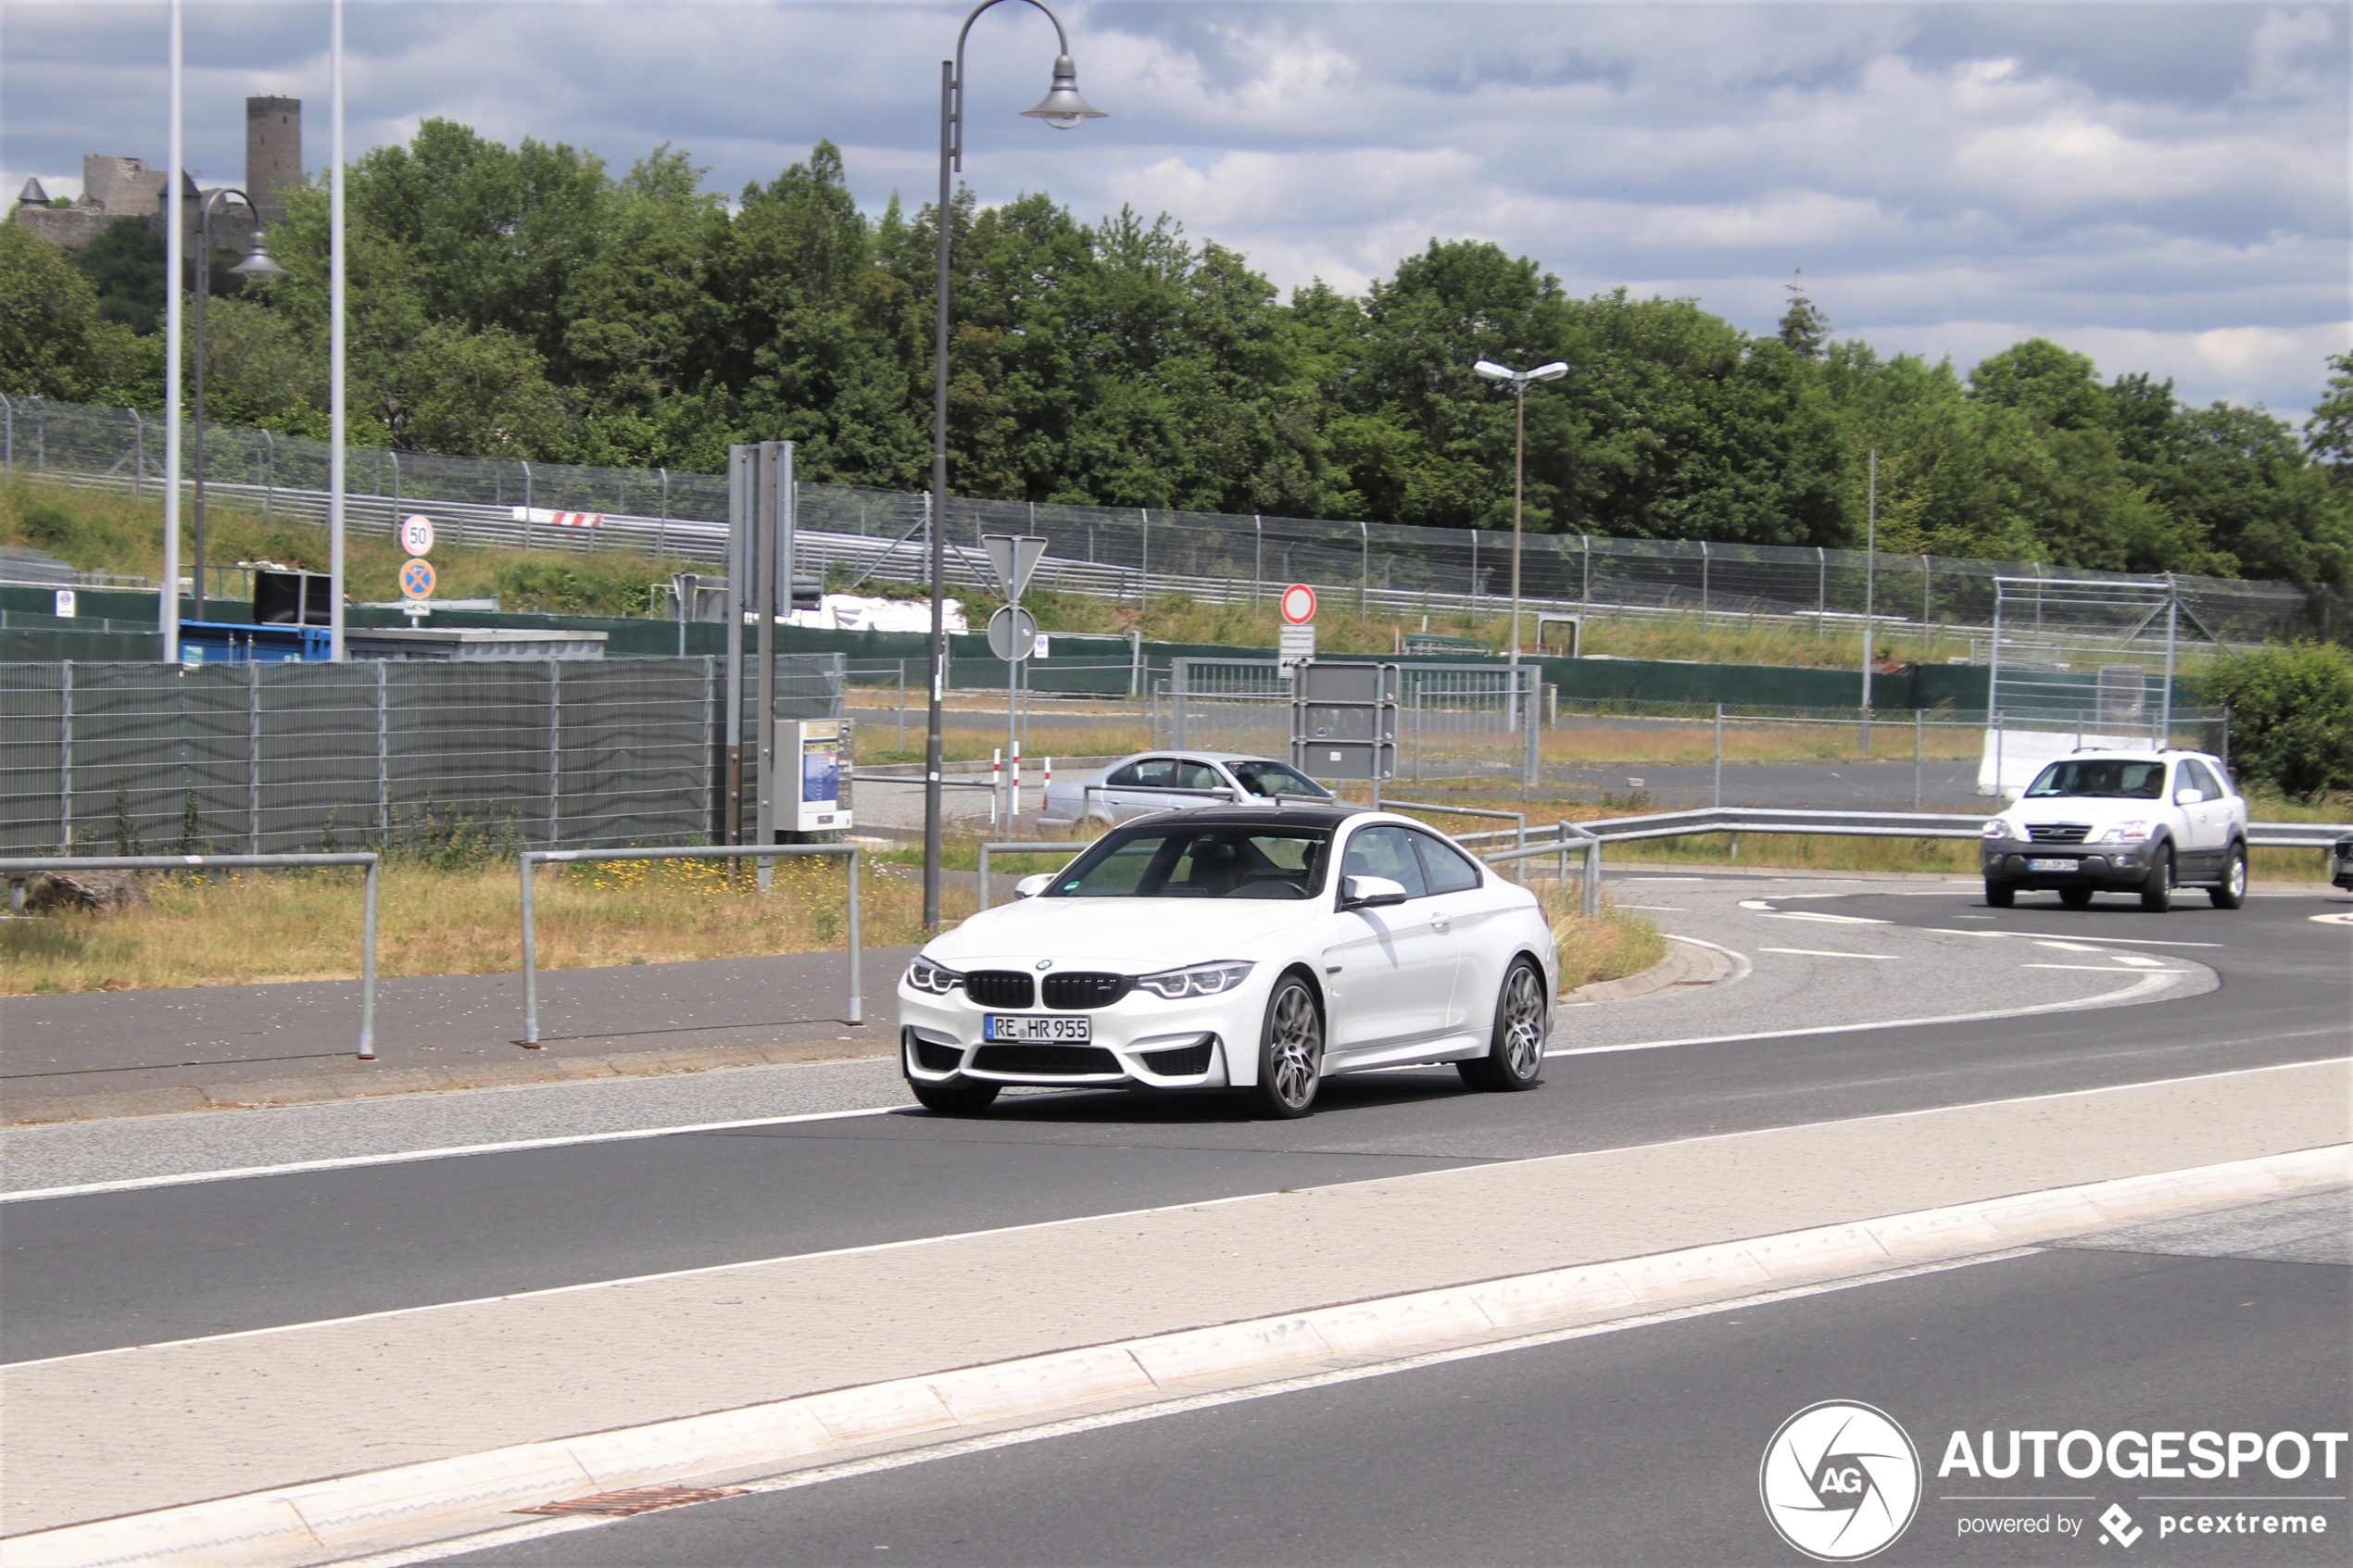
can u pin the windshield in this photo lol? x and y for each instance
(1175, 861)
(1272, 778)
(2109, 778)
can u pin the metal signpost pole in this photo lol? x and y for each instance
(768, 503)
(739, 483)
(335, 394)
(1871, 560)
(175, 246)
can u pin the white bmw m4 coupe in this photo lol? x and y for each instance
(1260, 947)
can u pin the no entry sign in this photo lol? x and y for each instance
(1298, 605)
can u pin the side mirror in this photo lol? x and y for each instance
(1370, 891)
(2188, 796)
(1030, 886)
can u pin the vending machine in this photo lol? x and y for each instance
(813, 757)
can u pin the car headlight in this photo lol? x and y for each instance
(2124, 833)
(1997, 829)
(925, 975)
(1200, 979)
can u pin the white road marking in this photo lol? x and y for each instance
(1826, 953)
(2066, 946)
(1076, 1425)
(2345, 918)
(2146, 986)
(2137, 961)
(356, 1162)
(2031, 936)
(1742, 967)
(2104, 969)
(1830, 919)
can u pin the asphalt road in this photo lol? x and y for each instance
(1643, 1446)
(98, 1271)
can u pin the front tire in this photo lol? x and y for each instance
(1290, 1052)
(2000, 895)
(2157, 893)
(956, 1097)
(2231, 892)
(1514, 1058)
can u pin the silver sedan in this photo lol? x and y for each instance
(1174, 781)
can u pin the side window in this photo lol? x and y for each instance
(1156, 773)
(2215, 788)
(1444, 867)
(1197, 775)
(1384, 851)
(1126, 778)
(2187, 776)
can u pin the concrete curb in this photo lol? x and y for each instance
(348, 1515)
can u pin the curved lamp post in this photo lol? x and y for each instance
(256, 264)
(1518, 380)
(1063, 109)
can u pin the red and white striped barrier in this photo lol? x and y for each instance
(559, 519)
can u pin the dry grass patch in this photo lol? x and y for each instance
(1610, 947)
(255, 928)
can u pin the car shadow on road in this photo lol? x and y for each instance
(1178, 1108)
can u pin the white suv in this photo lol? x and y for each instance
(2126, 821)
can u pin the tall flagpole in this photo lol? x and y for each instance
(175, 247)
(335, 353)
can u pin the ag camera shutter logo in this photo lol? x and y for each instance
(1839, 1481)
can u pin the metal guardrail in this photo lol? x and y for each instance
(16, 869)
(1023, 846)
(1592, 835)
(763, 852)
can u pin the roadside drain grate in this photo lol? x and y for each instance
(635, 1499)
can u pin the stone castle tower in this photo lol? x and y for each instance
(273, 152)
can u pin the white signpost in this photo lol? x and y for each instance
(1014, 636)
(1298, 640)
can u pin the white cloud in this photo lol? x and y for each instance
(2166, 181)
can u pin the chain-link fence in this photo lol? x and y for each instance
(852, 534)
(424, 756)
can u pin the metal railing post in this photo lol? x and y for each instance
(368, 965)
(530, 960)
(253, 758)
(1718, 800)
(1590, 896)
(13, 867)
(857, 999)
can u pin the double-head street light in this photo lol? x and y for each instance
(1063, 109)
(1518, 380)
(256, 264)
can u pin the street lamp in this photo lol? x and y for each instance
(1063, 109)
(1518, 380)
(256, 264)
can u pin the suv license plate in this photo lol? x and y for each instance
(2050, 865)
(1036, 1030)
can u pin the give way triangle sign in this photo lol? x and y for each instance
(1013, 556)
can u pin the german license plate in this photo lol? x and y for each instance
(1032, 1030)
(2050, 865)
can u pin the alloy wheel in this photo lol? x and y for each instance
(1296, 1045)
(1524, 1022)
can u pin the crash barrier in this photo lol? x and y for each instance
(1101, 550)
(760, 852)
(17, 869)
(1024, 847)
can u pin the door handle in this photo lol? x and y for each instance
(1441, 924)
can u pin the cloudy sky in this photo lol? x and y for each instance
(2164, 187)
